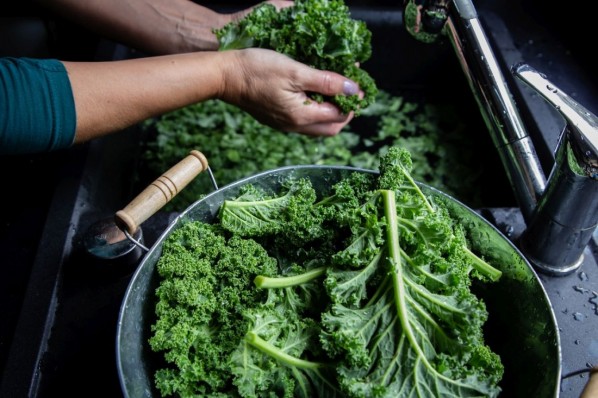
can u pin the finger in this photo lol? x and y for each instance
(314, 113)
(322, 129)
(328, 83)
(322, 119)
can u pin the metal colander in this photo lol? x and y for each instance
(521, 327)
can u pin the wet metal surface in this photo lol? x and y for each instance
(575, 302)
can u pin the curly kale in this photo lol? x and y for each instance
(238, 146)
(318, 33)
(205, 290)
(255, 214)
(377, 305)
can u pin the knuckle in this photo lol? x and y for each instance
(327, 83)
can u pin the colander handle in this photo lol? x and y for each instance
(160, 192)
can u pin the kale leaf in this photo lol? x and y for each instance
(403, 320)
(318, 33)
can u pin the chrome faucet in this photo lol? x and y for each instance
(561, 212)
(567, 213)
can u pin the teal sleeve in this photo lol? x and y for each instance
(37, 108)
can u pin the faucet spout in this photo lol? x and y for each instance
(567, 213)
(582, 125)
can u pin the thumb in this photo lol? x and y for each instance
(328, 83)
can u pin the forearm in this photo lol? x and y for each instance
(58, 100)
(152, 26)
(110, 96)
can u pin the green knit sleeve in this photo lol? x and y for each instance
(37, 108)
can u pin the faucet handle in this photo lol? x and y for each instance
(582, 125)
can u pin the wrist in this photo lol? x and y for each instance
(232, 72)
(196, 29)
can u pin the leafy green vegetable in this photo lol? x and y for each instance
(205, 289)
(238, 146)
(318, 33)
(366, 294)
(403, 320)
(235, 144)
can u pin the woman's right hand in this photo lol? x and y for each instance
(274, 89)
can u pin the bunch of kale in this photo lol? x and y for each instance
(361, 292)
(318, 33)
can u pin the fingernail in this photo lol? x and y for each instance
(350, 88)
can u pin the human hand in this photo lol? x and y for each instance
(273, 88)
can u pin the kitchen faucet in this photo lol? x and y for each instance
(561, 211)
(567, 213)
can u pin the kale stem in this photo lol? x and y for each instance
(419, 192)
(394, 252)
(483, 267)
(265, 282)
(257, 342)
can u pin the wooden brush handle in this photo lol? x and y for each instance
(160, 192)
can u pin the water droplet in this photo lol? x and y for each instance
(509, 229)
(583, 276)
(578, 316)
(576, 342)
(594, 301)
(551, 88)
(580, 289)
(589, 365)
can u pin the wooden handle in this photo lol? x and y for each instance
(591, 388)
(160, 192)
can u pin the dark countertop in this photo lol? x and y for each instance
(575, 302)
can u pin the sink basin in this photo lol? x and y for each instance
(71, 307)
